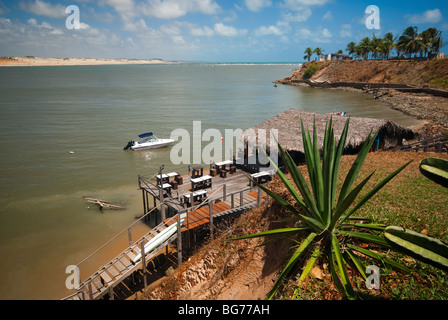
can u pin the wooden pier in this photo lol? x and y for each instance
(199, 198)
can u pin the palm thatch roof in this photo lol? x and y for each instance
(289, 128)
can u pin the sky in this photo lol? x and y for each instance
(204, 30)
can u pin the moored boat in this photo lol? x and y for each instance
(148, 141)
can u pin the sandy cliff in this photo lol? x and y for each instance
(417, 88)
(433, 74)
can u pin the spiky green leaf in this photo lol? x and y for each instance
(420, 246)
(381, 258)
(295, 257)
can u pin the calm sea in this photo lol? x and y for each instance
(93, 111)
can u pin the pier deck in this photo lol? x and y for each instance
(226, 195)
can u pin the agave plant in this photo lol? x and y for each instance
(435, 169)
(332, 232)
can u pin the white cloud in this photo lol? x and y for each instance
(228, 31)
(279, 29)
(300, 16)
(32, 22)
(137, 25)
(169, 9)
(319, 36)
(201, 32)
(346, 31)
(328, 16)
(46, 40)
(126, 9)
(429, 16)
(300, 4)
(304, 33)
(42, 8)
(257, 5)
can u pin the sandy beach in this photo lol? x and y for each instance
(36, 61)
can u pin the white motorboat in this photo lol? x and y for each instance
(148, 141)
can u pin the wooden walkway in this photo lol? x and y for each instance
(233, 194)
(437, 144)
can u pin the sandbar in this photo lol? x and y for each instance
(37, 61)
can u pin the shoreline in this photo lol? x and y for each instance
(430, 110)
(30, 61)
(415, 88)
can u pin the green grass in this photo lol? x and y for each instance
(410, 200)
(441, 82)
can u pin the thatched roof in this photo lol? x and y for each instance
(288, 124)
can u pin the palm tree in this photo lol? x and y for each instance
(351, 48)
(358, 51)
(308, 53)
(424, 41)
(429, 42)
(387, 45)
(364, 47)
(409, 41)
(375, 46)
(436, 43)
(318, 51)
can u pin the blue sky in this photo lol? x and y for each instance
(203, 30)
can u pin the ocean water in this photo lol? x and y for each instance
(93, 111)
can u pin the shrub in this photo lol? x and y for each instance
(310, 71)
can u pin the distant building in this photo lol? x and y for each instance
(336, 56)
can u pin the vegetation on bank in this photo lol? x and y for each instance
(409, 199)
(432, 73)
(327, 229)
(410, 44)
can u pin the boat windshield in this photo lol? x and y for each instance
(149, 139)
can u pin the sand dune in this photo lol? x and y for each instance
(36, 61)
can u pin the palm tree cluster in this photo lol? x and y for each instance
(410, 44)
(309, 53)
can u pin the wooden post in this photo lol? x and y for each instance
(90, 291)
(241, 199)
(147, 217)
(210, 208)
(162, 206)
(179, 242)
(130, 236)
(111, 293)
(155, 204)
(144, 202)
(224, 192)
(144, 264)
(232, 200)
(258, 197)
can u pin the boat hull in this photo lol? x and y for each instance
(161, 143)
(158, 240)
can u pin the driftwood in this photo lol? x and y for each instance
(103, 204)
